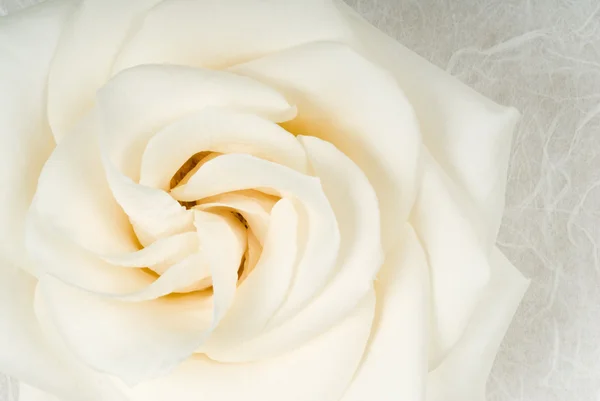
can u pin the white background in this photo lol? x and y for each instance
(542, 56)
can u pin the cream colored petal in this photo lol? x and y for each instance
(255, 207)
(345, 99)
(463, 374)
(27, 43)
(73, 195)
(137, 340)
(318, 226)
(85, 56)
(181, 275)
(468, 134)
(394, 366)
(165, 251)
(263, 291)
(252, 256)
(131, 340)
(153, 213)
(139, 102)
(26, 353)
(214, 34)
(360, 257)
(217, 130)
(319, 370)
(223, 242)
(450, 231)
(54, 253)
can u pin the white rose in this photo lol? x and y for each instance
(244, 200)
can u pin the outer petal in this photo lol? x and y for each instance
(85, 56)
(27, 354)
(28, 393)
(346, 100)
(464, 372)
(394, 366)
(216, 34)
(72, 189)
(152, 336)
(27, 43)
(450, 231)
(467, 133)
(319, 370)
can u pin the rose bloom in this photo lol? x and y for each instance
(244, 200)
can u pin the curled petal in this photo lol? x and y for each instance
(253, 206)
(153, 213)
(237, 172)
(261, 294)
(73, 195)
(217, 130)
(165, 251)
(54, 253)
(360, 257)
(140, 101)
(329, 83)
(155, 335)
(304, 373)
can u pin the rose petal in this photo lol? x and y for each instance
(394, 366)
(176, 31)
(254, 206)
(73, 196)
(236, 172)
(140, 101)
(153, 213)
(302, 374)
(54, 253)
(260, 295)
(26, 353)
(181, 275)
(27, 43)
(447, 226)
(217, 130)
(85, 56)
(330, 83)
(360, 257)
(222, 241)
(154, 336)
(222, 244)
(463, 373)
(169, 250)
(252, 256)
(467, 133)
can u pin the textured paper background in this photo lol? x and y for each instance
(542, 56)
